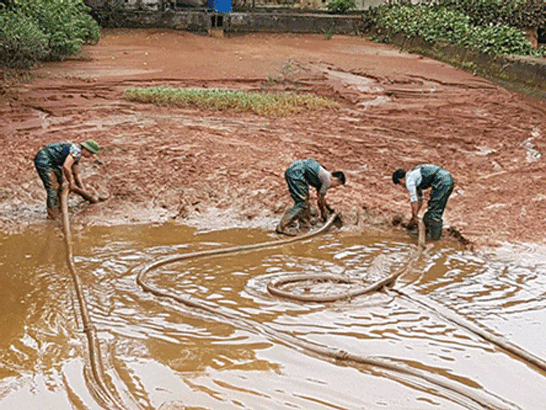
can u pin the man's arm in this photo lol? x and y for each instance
(68, 166)
(416, 197)
(71, 172)
(415, 208)
(76, 173)
(321, 202)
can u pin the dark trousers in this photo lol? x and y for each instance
(441, 190)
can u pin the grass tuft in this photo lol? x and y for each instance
(263, 103)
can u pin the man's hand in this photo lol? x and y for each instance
(412, 224)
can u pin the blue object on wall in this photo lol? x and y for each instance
(221, 6)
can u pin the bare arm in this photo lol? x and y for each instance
(415, 208)
(71, 172)
(68, 171)
(321, 202)
(76, 172)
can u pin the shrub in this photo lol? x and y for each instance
(436, 24)
(22, 42)
(341, 6)
(485, 12)
(65, 25)
(515, 13)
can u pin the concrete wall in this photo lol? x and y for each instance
(196, 21)
(178, 4)
(287, 22)
(202, 21)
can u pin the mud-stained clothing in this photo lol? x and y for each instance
(49, 161)
(299, 176)
(442, 184)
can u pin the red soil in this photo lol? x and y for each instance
(397, 110)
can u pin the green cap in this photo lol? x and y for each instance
(91, 146)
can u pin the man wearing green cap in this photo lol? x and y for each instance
(60, 158)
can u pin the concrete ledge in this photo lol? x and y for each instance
(203, 21)
(292, 23)
(195, 21)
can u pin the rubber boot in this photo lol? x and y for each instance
(285, 222)
(433, 227)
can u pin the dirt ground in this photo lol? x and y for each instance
(159, 163)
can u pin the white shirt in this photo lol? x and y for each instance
(413, 180)
(325, 179)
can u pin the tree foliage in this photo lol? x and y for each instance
(478, 24)
(38, 30)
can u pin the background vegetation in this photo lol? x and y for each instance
(490, 26)
(37, 30)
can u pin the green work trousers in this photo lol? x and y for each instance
(298, 187)
(442, 187)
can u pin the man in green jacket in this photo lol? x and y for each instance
(424, 177)
(58, 159)
(299, 176)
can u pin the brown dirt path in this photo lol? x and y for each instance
(158, 163)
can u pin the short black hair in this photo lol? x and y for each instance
(398, 175)
(339, 175)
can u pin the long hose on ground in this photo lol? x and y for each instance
(110, 399)
(466, 396)
(99, 385)
(387, 283)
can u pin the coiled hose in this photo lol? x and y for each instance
(465, 395)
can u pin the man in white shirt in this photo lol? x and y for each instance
(424, 177)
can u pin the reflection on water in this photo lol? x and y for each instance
(163, 354)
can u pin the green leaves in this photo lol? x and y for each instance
(445, 23)
(341, 6)
(37, 30)
(22, 42)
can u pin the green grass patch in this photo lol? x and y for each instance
(263, 103)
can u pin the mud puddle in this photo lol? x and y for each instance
(160, 354)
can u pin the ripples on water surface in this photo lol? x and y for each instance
(164, 354)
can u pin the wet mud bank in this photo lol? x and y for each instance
(225, 169)
(523, 73)
(526, 74)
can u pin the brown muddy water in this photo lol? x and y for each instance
(161, 354)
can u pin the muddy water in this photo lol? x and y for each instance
(161, 354)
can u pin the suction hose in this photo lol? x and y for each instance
(465, 395)
(99, 385)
